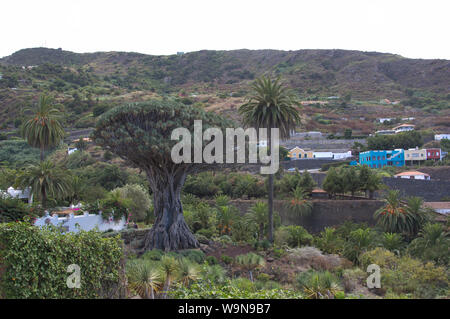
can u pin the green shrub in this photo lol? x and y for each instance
(194, 255)
(318, 284)
(12, 209)
(294, 236)
(35, 262)
(154, 254)
(201, 238)
(226, 259)
(211, 260)
(329, 241)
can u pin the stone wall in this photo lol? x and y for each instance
(430, 191)
(325, 213)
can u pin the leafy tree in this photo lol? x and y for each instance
(307, 183)
(12, 209)
(351, 180)
(369, 181)
(139, 198)
(270, 105)
(141, 133)
(333, 183)
(45, 180)
(44, 130)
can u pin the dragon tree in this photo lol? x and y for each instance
(141, 134)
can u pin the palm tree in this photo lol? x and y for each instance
(45, 180)
(258, 215)
(398, 217)
(144, 279)
(299, 204)
(44, 130)
(270, 105)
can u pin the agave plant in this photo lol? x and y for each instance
(250, 262)
(144, 278)
(318, 285)
(299, 204)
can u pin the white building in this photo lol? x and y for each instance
(413, 175)
(385, 119)
(72, 223)
(439, 137)
(323, 155)
(345, 155)
(24, 195)
(404, 128)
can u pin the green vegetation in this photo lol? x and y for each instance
(271, 105)
(35, 263)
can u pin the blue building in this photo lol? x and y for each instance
(377, 159)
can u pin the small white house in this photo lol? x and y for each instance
(413, 175)
(385, 119)
(439, 137)
(323, 155)
(404, 128)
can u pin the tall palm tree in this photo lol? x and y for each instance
(45, 180)
(44, 130)
(271, 105)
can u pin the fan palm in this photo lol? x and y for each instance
(45, 180)
(43, 130)
(270, 105)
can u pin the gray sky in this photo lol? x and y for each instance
(412, 28)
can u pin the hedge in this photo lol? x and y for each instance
(34, 261)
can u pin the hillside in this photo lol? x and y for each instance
(87, 84)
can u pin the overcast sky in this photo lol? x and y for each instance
(411, 28)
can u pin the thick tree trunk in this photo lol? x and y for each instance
(170, 231)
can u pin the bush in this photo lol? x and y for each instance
(154, 254)
(194, 255)
(140, 201)
(211, 260)
(12, 209)
(406, 275)
(329, 241)
(35, 262)
(294, 236)
(202, 239)
(226, 259)
(318, 284)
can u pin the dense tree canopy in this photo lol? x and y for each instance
(141, 133)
